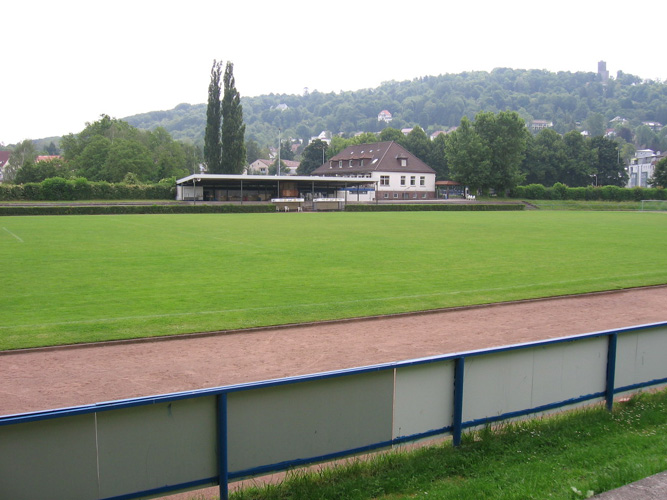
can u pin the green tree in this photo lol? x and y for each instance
(24, 153)
(126, 156)
(212, 141)
(90, 162)
(659, 178)
(312, 157)
(286, 152)
(579, 161)
(607, 162)
(468, 157)
(595, 124)
(545, 158)
(437, 158)
(233, 129)
(253, 151)
(51, 149)
(418, 143)
(505, 136)
(392, 134)
(41, 170)
(168, 155)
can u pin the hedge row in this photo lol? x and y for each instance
(58, 189)
(133, 209)
(439, 207)
(600, 193)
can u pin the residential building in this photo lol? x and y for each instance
(384, 116)
(261, 167)
(642, 166)
(538, 125)
(391, 169)
(4, 158)
(654, 126)
(324, 136)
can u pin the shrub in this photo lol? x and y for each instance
(32, 191)
(578, 193)
(134, 209)
(102, 191)
(56, 188)
(558, 191)
(536, 192)
(434, 208)
(81, 189)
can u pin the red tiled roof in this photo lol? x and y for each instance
(377, 157)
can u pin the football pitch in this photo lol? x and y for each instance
(74, 279)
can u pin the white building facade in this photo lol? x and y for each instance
(393, 173)
(642, 166)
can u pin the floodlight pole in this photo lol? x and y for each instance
(279, 146)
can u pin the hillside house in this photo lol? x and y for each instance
(4, 158)
(384, 116)
(537, 125)
(261, 167)
(396, 173)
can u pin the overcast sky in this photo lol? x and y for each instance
(65, 63)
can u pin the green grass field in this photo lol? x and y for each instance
(88, 278)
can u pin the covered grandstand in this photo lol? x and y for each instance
(258, 188)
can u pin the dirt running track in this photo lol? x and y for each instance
(40, 379)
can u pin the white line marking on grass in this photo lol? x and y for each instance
(15, 236)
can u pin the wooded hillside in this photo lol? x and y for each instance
(572, 101)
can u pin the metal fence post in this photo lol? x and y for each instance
(611, 370)
(223, 465)
(457, 423)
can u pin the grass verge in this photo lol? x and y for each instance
(568, 456)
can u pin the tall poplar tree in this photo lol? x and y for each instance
(212, 142)
(233, 128)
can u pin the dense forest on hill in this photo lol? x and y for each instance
(572, 101)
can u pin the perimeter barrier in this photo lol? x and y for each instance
(158, 445)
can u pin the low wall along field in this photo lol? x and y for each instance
(82, 279)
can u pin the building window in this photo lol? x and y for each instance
(422, 181)
(384, 180)
(386, 195)
(361, 163)
(424, 195)
(340, 163)
(402, 180)
(404, 162)
(395, 195)
(412, 180)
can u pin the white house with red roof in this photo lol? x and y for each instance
(384, 116)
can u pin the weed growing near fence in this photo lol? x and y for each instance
(573, 455)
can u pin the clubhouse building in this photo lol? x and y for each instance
(382, 171)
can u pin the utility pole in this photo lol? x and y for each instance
(279, 146)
